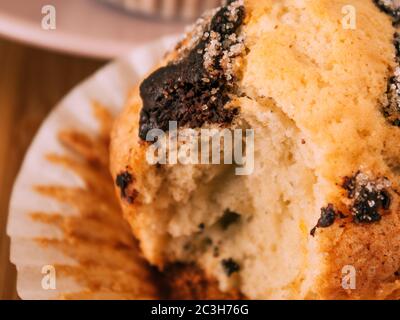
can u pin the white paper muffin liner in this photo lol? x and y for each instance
(110, 87)
(185, 9)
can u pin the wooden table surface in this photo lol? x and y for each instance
(32, 81)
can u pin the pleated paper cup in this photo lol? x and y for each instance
(68, 238)
(184, 9)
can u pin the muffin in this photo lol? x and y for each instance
(186, 9)
(317, 215)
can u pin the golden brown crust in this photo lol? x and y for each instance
(374, 252)
(188, 282)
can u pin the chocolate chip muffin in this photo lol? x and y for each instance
(317, 216)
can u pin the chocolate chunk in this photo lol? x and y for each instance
(195, 90)
(396, 42)
(385, 199)
(123, 181)
(230, 266)
(313, 231)
(391, 100)
(369, 197)
(229, 218)
(365, 215)
(365, 208)
(328, 217)
(391, 8)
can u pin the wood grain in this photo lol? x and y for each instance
(32, 81)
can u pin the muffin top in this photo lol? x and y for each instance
(338, 82)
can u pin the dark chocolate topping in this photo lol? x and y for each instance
(194, 90)
(391, 99)
(396, 43)
(369, 197)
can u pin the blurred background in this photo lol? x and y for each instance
(46, 48)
